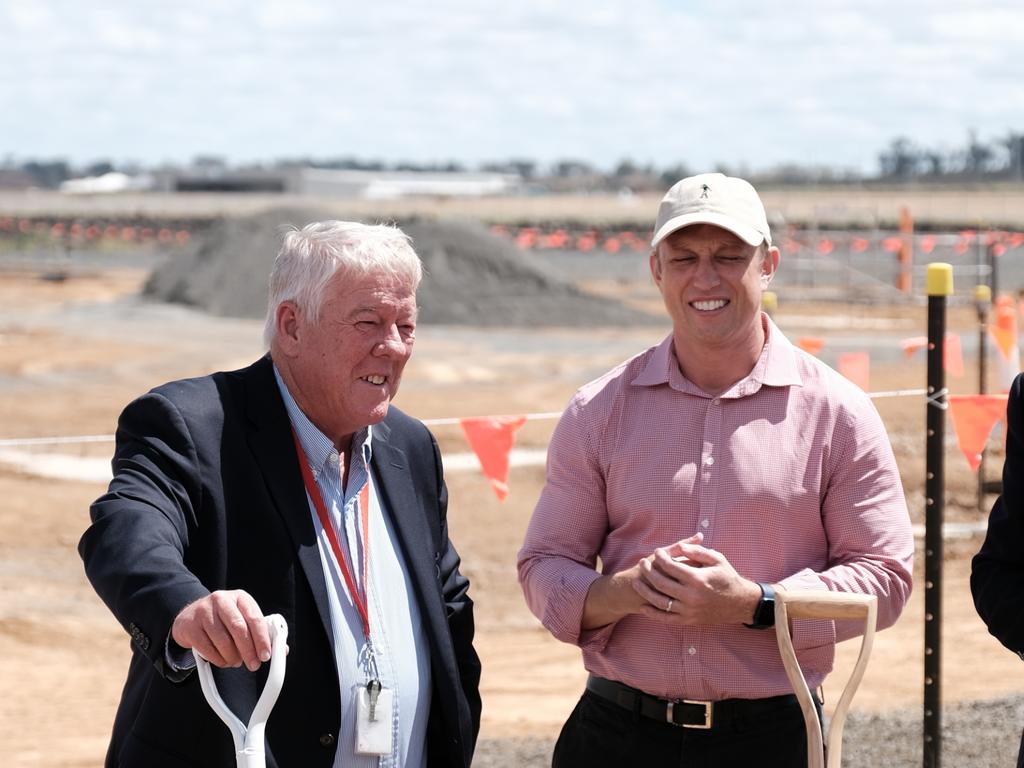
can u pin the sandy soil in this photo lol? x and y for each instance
(72, 353)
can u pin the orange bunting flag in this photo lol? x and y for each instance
(974, 416)
(892, 244)
(812, 345)
(952, 355)
(491, 439)
(952, 351)
(911, 345)
(856, 366)
(1004, 329)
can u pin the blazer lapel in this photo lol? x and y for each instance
(270, 439)
(402, 504)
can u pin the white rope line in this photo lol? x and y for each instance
(898, 393)
(71, 440)
(16, 442)
(939, 399)
(528, 417)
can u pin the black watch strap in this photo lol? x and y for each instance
(764, 613)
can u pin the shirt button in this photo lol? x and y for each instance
(705, 523)
(691, 650)
(709, 460)
(333, 458)
(716, 401)
(326, 739)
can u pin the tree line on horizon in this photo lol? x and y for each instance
(902, 161)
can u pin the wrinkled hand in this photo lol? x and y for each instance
(701, 583)
(226, 628)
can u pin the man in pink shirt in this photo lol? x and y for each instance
(703, 473)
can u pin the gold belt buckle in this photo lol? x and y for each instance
(708, 710)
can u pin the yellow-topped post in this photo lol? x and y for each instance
(769, 302)
(939, 285)
(940, 279)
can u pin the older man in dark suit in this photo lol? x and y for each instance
(292, 487)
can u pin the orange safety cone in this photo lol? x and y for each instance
(856, 366)
(1004, 334)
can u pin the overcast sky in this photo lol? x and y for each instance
(749, 84)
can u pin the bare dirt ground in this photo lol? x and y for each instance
(72, 353)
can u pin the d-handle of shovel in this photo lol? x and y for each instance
(813, 604)
(250, 748)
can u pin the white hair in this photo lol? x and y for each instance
(310, 257)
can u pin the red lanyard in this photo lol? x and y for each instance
(361, 601)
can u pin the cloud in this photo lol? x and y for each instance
(700, 82)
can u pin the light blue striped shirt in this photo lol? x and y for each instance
(397, 631)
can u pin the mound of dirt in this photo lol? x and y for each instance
(471, 277)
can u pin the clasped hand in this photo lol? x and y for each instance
(687, 583)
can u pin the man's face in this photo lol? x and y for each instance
(711, 282)
(348, 364)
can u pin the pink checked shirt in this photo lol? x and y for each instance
(789, 474)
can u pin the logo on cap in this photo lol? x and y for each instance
(704, 189)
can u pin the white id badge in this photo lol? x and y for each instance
(373, 735)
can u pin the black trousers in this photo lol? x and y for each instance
(601, 734)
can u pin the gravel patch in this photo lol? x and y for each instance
(979, 734)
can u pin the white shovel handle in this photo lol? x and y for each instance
(812, 604)
(250, 749)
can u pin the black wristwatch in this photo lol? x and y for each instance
(764, 613)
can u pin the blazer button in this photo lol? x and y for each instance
(326, 739)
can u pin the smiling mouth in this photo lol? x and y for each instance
(375, 379)
(708, 306)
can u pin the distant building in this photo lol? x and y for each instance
(17, 178)
(389, 185)
(370, 185)
(210, 178)
(107, 183)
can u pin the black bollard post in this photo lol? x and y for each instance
(940, 285)
(982, 303)
(993, 268)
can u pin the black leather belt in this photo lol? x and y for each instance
(685, 713)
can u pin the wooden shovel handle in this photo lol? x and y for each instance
(809, 604)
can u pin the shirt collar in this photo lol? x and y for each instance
(775, 367)
(319, 448)
(778, 358)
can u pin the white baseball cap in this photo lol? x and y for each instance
(713, 198)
